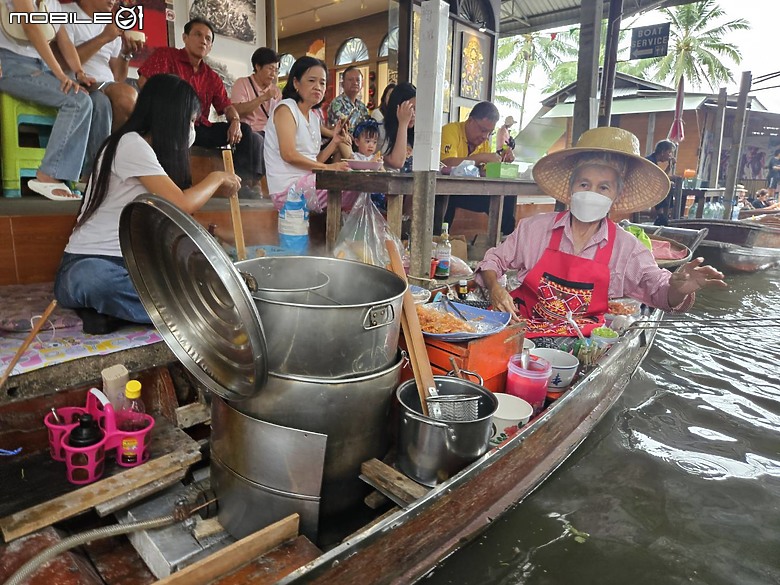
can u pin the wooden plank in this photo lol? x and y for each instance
(375, 500)
(117, 562)
(237, 554)
(274, 565)
(136, 495)
(391, 482)
(192, 414)
(82, 499)
(208, 527)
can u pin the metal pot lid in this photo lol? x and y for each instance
(195, 297)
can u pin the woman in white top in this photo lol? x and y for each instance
(148, 154)
(292, 136)
(31, 72)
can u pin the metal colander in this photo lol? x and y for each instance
(454, 407)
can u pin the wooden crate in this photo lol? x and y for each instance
(487, 356)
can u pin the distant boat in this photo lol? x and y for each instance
(737, 245)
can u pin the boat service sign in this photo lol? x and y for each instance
(649, 41)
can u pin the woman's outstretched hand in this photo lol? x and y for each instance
(691, 277)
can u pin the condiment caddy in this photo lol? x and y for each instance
(86, 464)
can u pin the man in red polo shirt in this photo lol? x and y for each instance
(188, 64)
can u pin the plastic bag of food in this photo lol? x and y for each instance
(364, 234)
(458, 267)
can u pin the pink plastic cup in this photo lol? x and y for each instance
(530, 383)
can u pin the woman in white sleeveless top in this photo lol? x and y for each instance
(292, 135)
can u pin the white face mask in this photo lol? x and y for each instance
(192, 135)
(589, 206)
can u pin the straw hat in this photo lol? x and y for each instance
(509, 121)
(644, 183)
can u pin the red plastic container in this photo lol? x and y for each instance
(529, 384)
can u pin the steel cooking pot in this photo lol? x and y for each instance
(347, 327)
(431, 451)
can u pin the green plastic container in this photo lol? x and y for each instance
(497, 170)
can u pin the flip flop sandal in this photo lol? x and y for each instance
(47, 190)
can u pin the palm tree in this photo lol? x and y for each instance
(525, 53)
(698, 51)
(565, 73)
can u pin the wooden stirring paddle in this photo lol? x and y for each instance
(415, 343)
(235, 210)
(28, 340)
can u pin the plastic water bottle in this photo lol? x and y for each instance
(736, 206)
(692, 210)
(443, 253)
(294, 223)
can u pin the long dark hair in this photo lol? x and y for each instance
(383, 101)
(165, 108)
(299, 68)
(402, 92)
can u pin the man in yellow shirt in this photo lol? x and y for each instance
(470, 140)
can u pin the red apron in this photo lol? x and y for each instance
(563, 282)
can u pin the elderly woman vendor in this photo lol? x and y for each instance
(575, 261)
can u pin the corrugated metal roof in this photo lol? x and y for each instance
(526, 16)
(643, 105)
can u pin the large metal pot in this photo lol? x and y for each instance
(263, 472)
(352, 412)
(347, 327)
(431, 451)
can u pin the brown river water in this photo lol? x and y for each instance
(679, 483)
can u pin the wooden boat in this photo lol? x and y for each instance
(405, 543)
(685, 241)
(737, 246)
(399, 546)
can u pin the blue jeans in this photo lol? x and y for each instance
(101, 283)
(30, 79)
(99, 129)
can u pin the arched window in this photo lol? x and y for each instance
(285, 64)
(389, 43)
(352, 51)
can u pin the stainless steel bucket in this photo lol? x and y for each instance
(347, 327)
(431, 451)
(352, 412)
(262, 472)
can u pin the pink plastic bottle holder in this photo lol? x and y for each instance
(86, 464)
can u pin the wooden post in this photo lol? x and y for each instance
(271, 32)
(717, 139)
(427, 133)
(585, 106)
(736, 141)
(610, 61)
(422, 223)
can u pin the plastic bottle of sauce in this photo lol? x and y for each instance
(129, 419)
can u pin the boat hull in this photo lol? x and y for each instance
(406, 545)
(737, 246)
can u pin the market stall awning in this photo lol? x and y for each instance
(537, 137)
(642, 105)
(519, 17)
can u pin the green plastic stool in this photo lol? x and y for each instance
(21, 161)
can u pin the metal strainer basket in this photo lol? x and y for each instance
(454, 407)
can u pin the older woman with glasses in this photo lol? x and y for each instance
(576, 260)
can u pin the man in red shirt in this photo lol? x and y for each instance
(188, 64)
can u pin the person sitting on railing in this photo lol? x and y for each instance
(148, 154)
(575, 261)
